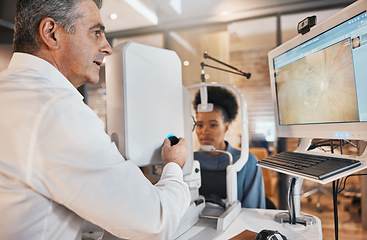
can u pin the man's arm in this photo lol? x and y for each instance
(85, 172)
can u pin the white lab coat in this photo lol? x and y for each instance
(59, 167)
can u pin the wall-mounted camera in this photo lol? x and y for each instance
(306, 24)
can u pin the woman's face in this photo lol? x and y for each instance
(211, 128)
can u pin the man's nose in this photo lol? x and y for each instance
(107, 49)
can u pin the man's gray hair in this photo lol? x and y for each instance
(29, 14)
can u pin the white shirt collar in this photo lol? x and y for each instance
(42, 67)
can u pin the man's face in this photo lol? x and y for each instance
(81, 53)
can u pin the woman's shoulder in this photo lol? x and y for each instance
(252, 158)
(237, 153)
(232, 149)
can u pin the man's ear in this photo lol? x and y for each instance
(48, 32)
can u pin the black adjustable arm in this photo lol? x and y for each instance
(238, 72)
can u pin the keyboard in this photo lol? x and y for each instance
(309, 165)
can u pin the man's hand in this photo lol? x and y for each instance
(176, 153)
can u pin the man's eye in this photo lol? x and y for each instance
(213, 125)
(98, 33)
(199, 125)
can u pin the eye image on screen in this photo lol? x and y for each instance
(318, 88)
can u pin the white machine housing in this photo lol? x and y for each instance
(144, 100)
(146, 103)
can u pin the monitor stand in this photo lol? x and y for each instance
(294, 215)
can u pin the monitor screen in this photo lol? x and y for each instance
(319, 79)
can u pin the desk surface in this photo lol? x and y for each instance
(254, 220)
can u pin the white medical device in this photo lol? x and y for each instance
(146, 103)
(144, 100)
(224, 217)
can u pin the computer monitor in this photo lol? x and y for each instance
(146, 102)
(318, 80)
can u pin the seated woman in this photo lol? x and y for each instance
(210, 130)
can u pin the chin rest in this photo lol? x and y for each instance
(212, 198)
(213, 183)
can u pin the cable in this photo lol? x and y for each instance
(339, 185)
(339, 182)
(335, 203)
(345, 180)
(341, 146)
(338, 143)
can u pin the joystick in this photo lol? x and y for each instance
(174, 140)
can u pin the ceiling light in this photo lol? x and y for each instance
(224, 13)
(113, 16)
(176, 5)
(143, 10)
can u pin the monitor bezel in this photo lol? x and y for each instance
(345, 130)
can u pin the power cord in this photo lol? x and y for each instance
(343, 181)
(335, 143)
